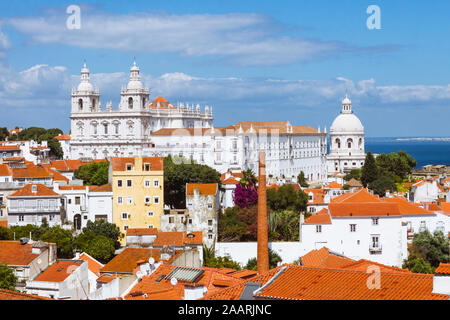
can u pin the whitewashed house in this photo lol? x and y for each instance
(424, 191)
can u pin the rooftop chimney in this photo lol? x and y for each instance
(263, 240)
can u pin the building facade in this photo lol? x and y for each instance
(346, 141)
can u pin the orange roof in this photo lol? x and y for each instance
(163, 104)
(333, 185)
(244, 274)
(322, 217)
(363, 265)
(72, 188)
(361, 195)
(93, 265)
(445, 207)
(9, 148)
(368, 209)
(354, 183)
(230, 180)
(15, 295)
(324, 258)
(431, 206)
(57, 176)
(276, 186)
(104, 188)
(4, 223)
(15, 254)
(41, 191)
(304, 283)
(142, 232)
(31, 171)
(5, 171)
(204, 188)
(63, 137)
(128, 259)
(177, 238)
(119, 164)
(71, 165)
(406, 207)
(444, 268)
(106, 278)
(59, 271)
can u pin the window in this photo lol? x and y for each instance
(129, 183)
(150, 214)
(21, 218)
(119, 183)
(147, 183)
(124, 216)
(130, 103)
(171, 219)
(156, 200)
(147, 200)
(1, 212)
(77, 200)
(210, 222)
(129, 200)
(210, 236)
(129, 167)
(119, 200)
(190, 221)
(150, 226)
(210, 205)
(318, 228)
(125, 228)
(156, 183)
(147, 167)
(353, 228)
(423, 226)
(34, 189)
(440, 226)
(375, 241)
(375, 221)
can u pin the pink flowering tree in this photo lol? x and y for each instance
(245, 196)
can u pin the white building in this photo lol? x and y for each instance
(97, 133)
(346, 141)
(93, 269)
(424, 191)
(63, 280)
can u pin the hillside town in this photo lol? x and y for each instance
(151, 201)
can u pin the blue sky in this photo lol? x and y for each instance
(250, 60)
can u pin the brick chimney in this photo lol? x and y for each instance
(263, 238)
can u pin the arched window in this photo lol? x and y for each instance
(93, 104)
(349, 143)
(80, 104)
(338, 142)
(130, 103)
(360, 142)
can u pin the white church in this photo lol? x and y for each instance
(143, 128)
(346, 141)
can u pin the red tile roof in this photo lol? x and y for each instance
(406, 207)
(333, 185)
(361, 195)
(321, 217)
(93, 265)
(15, 295)
(303, 283)
(444, 268)
(120, 164)
(104, 188)
(31, 171)
(59, 271)
(9, 148)
(369, 209)
(128, 259)
(204, 188)
(15, 254)
(71, 165)
(5, 171)
(445, 207)
(4, 223)
(142, 232)
(63, 137)
(41, 191)
(363, 265)
(324, 258)
(177, 238)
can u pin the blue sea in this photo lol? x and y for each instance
(424, 150)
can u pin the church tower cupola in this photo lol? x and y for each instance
(346, 105)
(134, 97)
(85, 98)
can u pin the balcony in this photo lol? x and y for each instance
(375, 249)
(33, 209)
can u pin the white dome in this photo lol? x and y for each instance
(85, 86)
(133, 85)
(347, 122)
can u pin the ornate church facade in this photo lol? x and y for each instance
(100, 133)
(346, 141)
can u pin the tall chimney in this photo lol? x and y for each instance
(263, 239)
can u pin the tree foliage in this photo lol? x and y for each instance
(210, 260)
(94, 173)
(382, 184)
(40, 134)
(104, 228)
(369, 171)
(301, 180)
(245, 195)
(274, 259)
(62, 238)
(180, 172)
(230, 227)
(96, 245)
(284, 225)
(417, 265)
(433, 248)
(8, 279)
(286, 198)
(4, 133)
(353, 174)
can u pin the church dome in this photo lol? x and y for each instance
(135, 79)
(347, 121)
(85, 86)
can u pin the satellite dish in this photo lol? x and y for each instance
(173, 281)
(151, 260)
(139, 274)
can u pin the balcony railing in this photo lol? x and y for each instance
(374, 248)
(33, 209)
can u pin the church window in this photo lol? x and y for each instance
(338, 142)
(349, 143)
(105, 126)
(130, 103)
(80, 104)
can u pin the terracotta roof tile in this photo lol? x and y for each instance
(63, 137)
(31, 171)
(15, 295)
(321, 217)
(41, 191)
(142, 232)
(354, 183)
(445, 207)
(93, 265)
(333, 185)
(104, 188)
(304, 283)
(128, 259)
(119, 164)
(444, 268)
(177, 238)
(204, 188)
(368, 209)
(361, 195)
(59, 271)
(324, 258)
(5, 171)
(15, 254)
(9, 148)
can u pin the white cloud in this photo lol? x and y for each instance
(242, 39)
(5, 44)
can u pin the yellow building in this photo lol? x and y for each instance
(138, 192)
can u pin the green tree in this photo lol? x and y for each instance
(6, 234)
(248, 177)
(301, 180)
(354, 174)
(230, 228)
(382, 184)
(210, 260)
(274, 259)
(96, 245)
(62, 238)
(284, 225)
(286, 198)
(94, 173)
(4, 133)
(8, 279)
(417, 265)
(433, 248)
(369, 171)
(104, 228)
(177, 174)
